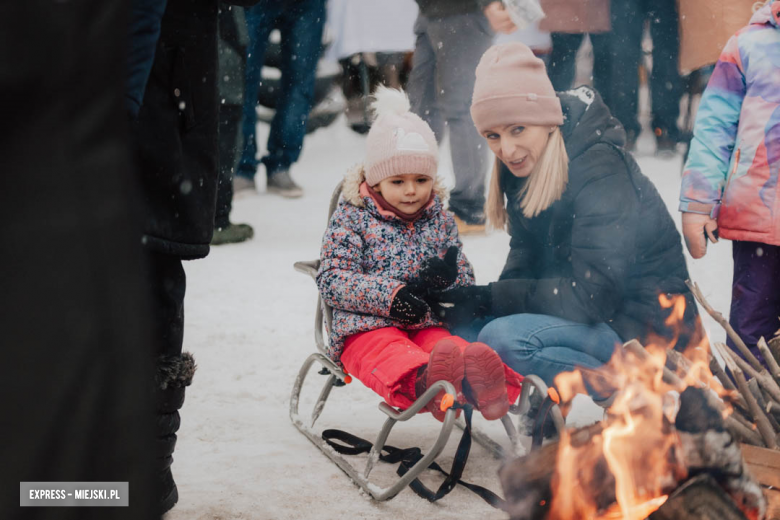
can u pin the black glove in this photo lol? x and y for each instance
(408, 308)
(438, 273)
(461, 305)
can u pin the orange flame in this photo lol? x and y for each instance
(624, 471)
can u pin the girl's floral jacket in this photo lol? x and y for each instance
(368, 254)
(732, 168)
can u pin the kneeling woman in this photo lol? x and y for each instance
(592, 244)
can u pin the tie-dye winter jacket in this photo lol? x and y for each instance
(732, 169)
(368, 254)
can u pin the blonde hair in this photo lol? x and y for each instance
(545, 184)
(759, 5)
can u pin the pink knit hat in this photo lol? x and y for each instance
(399, 141)
(512, 87)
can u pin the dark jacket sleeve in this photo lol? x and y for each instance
(602, 245)
(465, 270)
(144, 31)
(521, 262)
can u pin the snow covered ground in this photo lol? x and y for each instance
(249, 323)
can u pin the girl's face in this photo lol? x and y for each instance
(518, 147)
(407, 193)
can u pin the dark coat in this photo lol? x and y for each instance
(607, 249)
(176, 131)
(73, 310)
(440, 8)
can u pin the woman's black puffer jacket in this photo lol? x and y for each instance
(607, 249)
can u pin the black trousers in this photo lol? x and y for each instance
(167, 284)
(229, 133)
(628, 21)
(563, 66)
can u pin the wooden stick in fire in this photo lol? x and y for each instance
(774, 409)
(681, 363)
(743, 433)
(717, 316)
(771, 362)
(669, 377)
(764, 427)
(755, 411)
(762, 403)
(774, 347)
(762, 376)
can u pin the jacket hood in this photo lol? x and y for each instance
(355, 176)
(587, 121)
(769, 14)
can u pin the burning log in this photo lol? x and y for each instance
(575, 478)
(527, 481)
(698, 499)
(639, 351)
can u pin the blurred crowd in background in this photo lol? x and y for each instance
(638, 54)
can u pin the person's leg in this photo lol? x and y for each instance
(562, 65)
(665, 82)
(260, 21)
(546, 345)
(627, 28)
(167, 283)
(602, 65)
(301, 25)
(455, 66)
(755, 296)
(229, 123)
(386, 361)
(421, 85)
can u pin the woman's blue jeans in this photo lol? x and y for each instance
(544, 345)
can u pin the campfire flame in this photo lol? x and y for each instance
(626, 470)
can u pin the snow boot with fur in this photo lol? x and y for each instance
(174, 374)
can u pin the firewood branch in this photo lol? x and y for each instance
(717, 316)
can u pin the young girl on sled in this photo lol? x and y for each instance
(389, 242)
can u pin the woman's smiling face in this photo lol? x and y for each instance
(518, 147)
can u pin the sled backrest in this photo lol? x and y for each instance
(323, 317)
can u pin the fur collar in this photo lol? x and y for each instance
(350, 189)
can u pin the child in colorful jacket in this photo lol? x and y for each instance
(730, 182)
(389, 242)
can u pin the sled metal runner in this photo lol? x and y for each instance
(336, 377)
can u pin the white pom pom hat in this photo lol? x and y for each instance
(399, 141)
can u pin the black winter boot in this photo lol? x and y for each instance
(174, 373)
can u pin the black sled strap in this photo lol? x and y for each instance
(348, 444)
